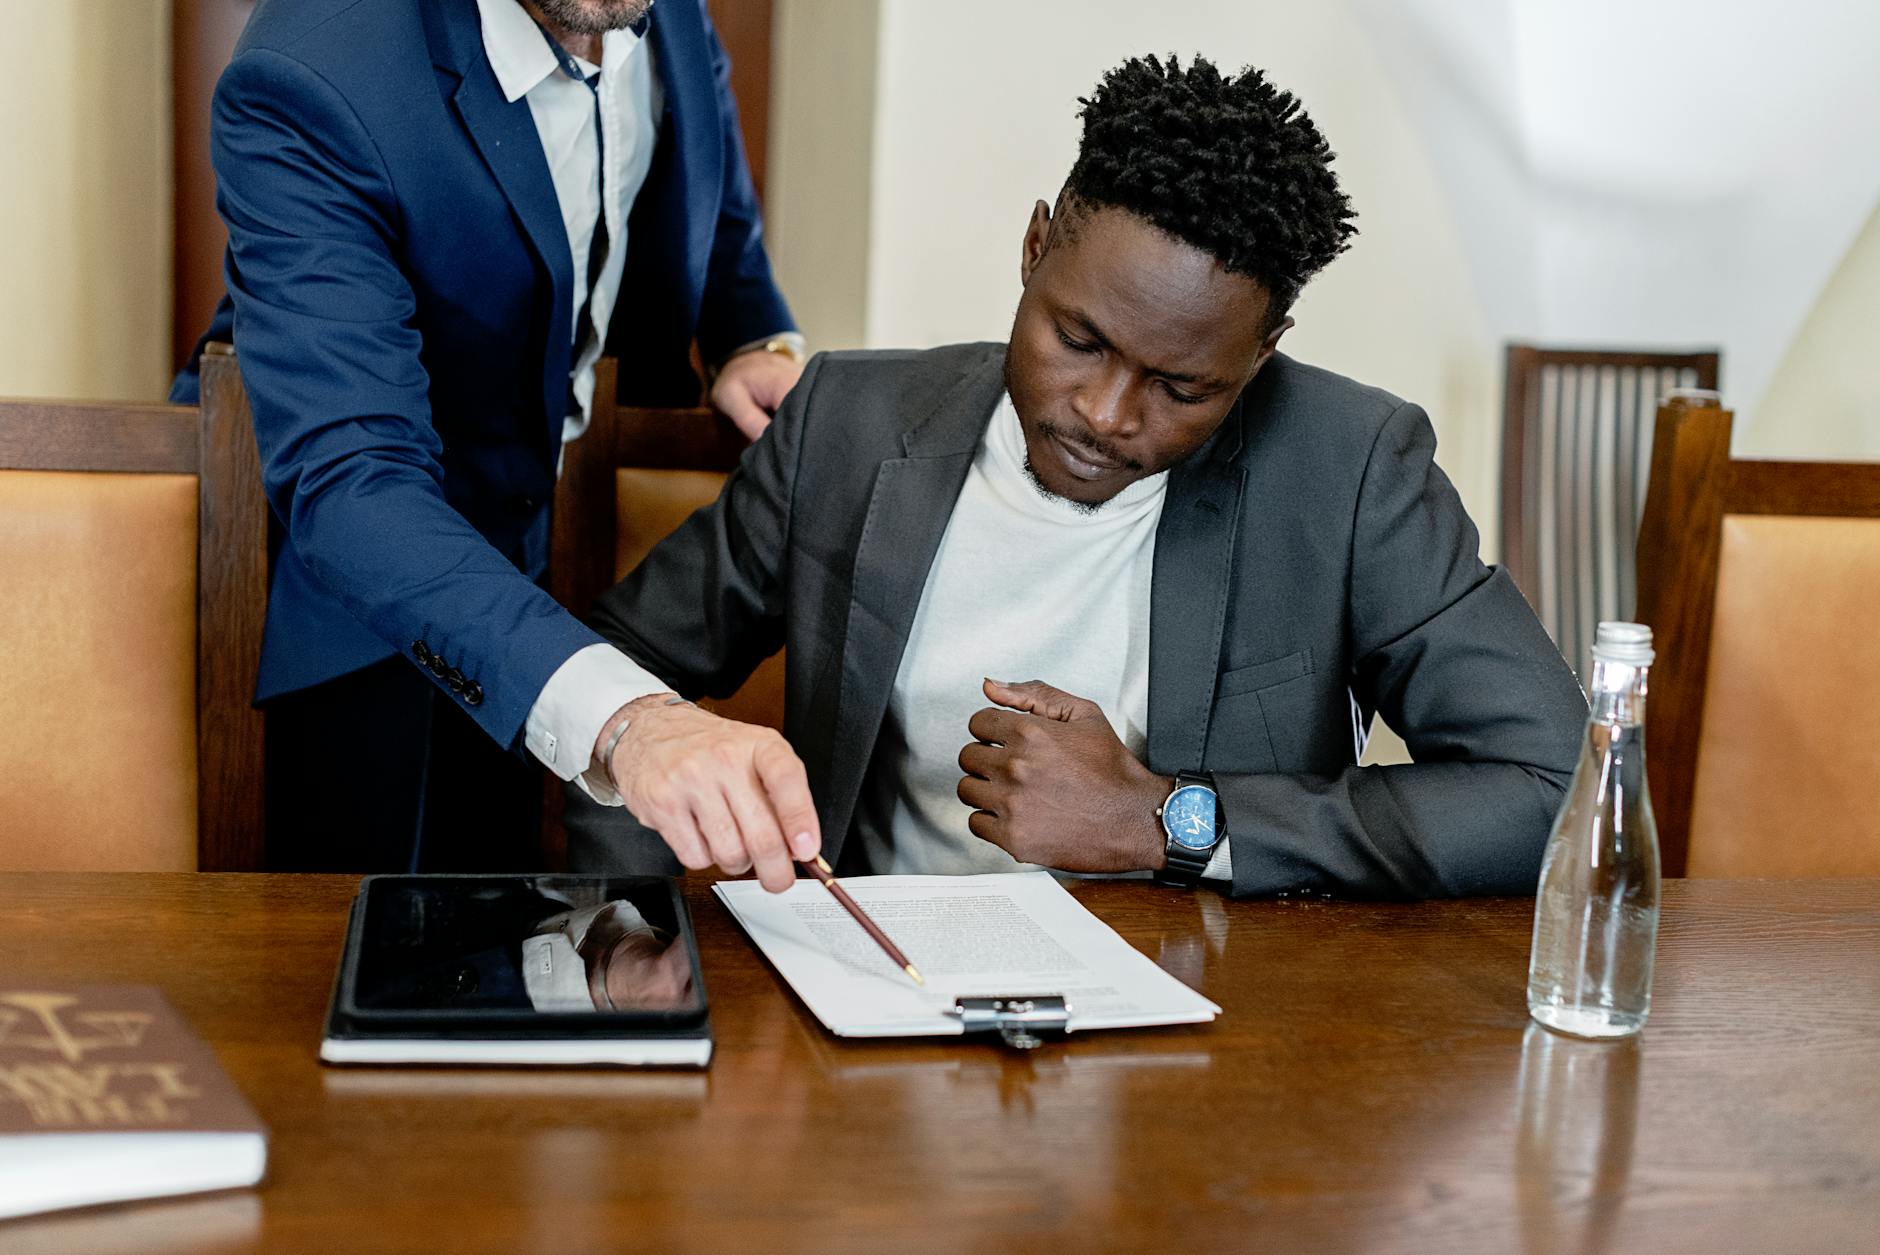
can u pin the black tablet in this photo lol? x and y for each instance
(519, 969)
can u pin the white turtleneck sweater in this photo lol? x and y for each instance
(1025, 586)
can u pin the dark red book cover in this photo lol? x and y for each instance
(98, 1069)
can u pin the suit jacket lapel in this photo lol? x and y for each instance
(504, 132)
(1194, 562)
(908, 511)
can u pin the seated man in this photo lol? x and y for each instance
(1219, 563)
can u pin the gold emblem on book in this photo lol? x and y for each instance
(91, 1030)
(69, 1091)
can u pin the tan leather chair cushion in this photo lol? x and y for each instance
(1788, 765)
(97, 671)
(648, 505)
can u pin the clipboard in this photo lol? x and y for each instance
(1022, 1022)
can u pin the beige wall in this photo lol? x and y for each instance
(1824, 400)
(85, 198)
(822, 127)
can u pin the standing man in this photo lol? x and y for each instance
(441, 214)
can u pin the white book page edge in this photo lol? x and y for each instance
(53, 1171)
(687, 1053)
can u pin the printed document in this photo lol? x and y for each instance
(970, 936)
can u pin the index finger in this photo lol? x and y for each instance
(995, 726)
(1033, 696)
(787, 785)
(757, 825)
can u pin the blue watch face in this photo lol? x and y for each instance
(1188, 817)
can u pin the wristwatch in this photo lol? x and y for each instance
(1193, 826)
(790, 344)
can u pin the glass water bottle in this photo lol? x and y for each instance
(1596, 915)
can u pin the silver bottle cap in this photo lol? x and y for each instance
(1629, 644)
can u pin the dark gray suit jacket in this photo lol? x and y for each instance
(1312, 566)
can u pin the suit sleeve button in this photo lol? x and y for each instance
(473, 694)
(421, 651)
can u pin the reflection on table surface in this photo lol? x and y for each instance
(1372, 1084)
(505, 944)
(1578, 1104)
(176, 1226)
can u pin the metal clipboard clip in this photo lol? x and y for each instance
(1019, 1020)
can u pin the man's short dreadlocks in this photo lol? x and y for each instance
(1232, 166)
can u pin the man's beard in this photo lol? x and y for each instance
(593, 17)
(1082, 507)
(1031, 472)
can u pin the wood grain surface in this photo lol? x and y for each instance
(1373, 1085)
(102, 436)
(1679, 538)
(232, 606)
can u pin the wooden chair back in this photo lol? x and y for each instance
(634, 476)
(1576, 446)
(625, 485)
(133, 552)
(1761, 582)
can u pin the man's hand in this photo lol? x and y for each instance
(1050, 783)
(717, 791)
(751, 387)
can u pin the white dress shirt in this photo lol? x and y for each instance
(587, 689)
(1024, 586)
(631, 100)
(554, 971)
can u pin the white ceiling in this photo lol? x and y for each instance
(1682, 99)
(1655, 172)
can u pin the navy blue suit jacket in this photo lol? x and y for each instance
(400, 289)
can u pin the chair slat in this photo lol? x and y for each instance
(69, 436)
(1576, 449)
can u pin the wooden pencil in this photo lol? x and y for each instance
(820, 869)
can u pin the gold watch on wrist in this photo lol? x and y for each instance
(788, 344)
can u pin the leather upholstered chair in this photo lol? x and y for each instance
(1761, 581)
(629, 481)
(133, 559)
(1576, 445)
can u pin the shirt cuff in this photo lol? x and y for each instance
(1220, 867)
(576, 703)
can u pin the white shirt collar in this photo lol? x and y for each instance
(515, 47)
(522, 58)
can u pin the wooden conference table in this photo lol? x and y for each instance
(1373, 1085)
